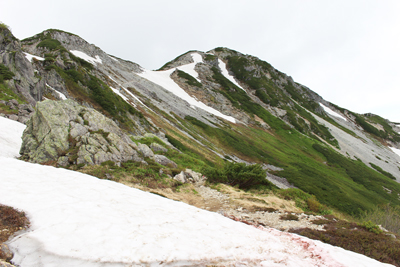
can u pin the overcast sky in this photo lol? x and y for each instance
(348, 51)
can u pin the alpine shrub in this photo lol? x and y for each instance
(237, 174)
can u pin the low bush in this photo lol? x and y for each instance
(289, 217)
(386, 215)
(5, 73)
(304, 201)
(379, 169)
(351, 236)
(370, 226)
(189, 79)
(237, 174)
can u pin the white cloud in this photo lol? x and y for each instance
(347, 51)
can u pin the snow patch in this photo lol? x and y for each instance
(331, 112)
(86, 57)
(118, 92)
(189, 68)
(163, 79)
(79, 220)
(113, 58)
(10, 138)
(225, 72)
(61, 95)
(30, 57)
(126, 90)
(395, 150)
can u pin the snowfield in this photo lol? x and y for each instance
(331, 112)
(61, 95)
(163, 79)
(225, 72)
(395, 150)
(79, 220)
(86, 57)
(30, 57)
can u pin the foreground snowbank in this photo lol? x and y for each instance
(79, 220)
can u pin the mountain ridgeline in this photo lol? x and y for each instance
(214, 107)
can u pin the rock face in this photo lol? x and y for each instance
(189, 176)
(22, 112)
(68, 133)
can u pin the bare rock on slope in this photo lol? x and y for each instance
(68, 133)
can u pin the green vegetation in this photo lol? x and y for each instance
(346, 185)
(361, 240)
(386, 215)
(6, 93)
(5, 73)
(358, 177)
(231, 140)
(3, 26)
(167, 65)
(241, 100)
(304, 201)
(289, 217)
(370, 226)
(379, 169)
(41, 36)
(390, 133)
(148, 140)
(210, 57)
(88, 88)
(369, 128)
(189, 79)
(270, 94)
(50, 44)
(238, 174)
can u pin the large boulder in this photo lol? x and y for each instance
(65, 132)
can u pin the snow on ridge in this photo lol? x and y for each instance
(331, 112)
(113, 58)
(61, 95)
(225, 72)
(163, 79)
(30, 57)
(189, 68)
(86, 57)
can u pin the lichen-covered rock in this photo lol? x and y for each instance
(68, 133)
(145, 151)
(189, 176)
(157, 147)
(163, 160)
(181, 177)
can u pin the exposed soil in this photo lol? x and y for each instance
(11, 221)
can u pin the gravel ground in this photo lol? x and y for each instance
(265, 218)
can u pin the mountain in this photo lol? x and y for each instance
(217, 106)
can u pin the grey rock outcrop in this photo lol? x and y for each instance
(163, 160)
(21, 112)
(68, 133)
(157, 147)
(189, 176)
(145, 151)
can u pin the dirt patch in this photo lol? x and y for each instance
(11, 221)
